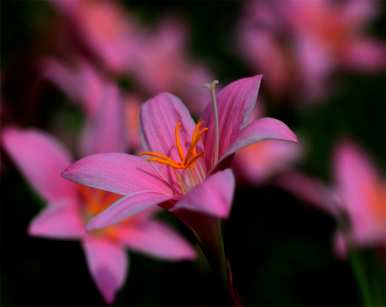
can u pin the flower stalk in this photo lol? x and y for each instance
(208, 232)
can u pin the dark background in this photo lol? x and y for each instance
(280, 248)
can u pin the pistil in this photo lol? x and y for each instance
(212, 88)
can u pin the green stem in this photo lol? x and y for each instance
(360, 277)
(227, 271)
(208, 232)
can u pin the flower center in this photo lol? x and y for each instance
(186, 160)
(95, 201)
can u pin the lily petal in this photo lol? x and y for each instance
(361, 193)
(235, 102)
(262, 129)
(311, 191)
(367, 55)
(261, 160)
(81, 83)
(315, 65)
(105, 130)
(158, 240)
(159, 116)
(126, 207)
(108, 265)
(340, 247)
(118, 173)
(213, 197)
(61, 221)
(40, 159)
(359, 12)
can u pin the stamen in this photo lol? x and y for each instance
(185, 161)
(166, 162)
(192, 150)
(154, 154)
(178, 141)
(212, 88)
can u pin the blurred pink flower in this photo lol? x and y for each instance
(41, 159)
(157, 59)
(359, 196)
(105, 28)
(363, 196)
(305, 42)
(79, 81)
(100, 101)
(164, 65)
(182, 169)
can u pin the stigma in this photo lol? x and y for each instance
(186, 159)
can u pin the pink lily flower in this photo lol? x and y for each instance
(106, 29)
(323, 36)
(185, 165)
(164, 65)
(41, 159)
(358, 201)
(182, 165)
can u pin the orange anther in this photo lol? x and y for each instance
(185, 160)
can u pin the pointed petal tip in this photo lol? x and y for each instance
(188, 255)
(340, 247)
(344, 146)
(108, 264)
(69, 172)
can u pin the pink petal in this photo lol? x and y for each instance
(106, 131)
(105, 28)
(118, 173)
(261, 129)
(162, 50)
(213, 197)
(40, 159)
(264, 52)
(340, 246)
(159, 116)
(62, 221)
(108, 264)
(125, 207)
(261, 160)
(366, 55)
(315, 64)
(158, 240)
(80, 82)
(235, 103)
(359, 187)
(357, 13)
(311, 191)
(132, 107)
